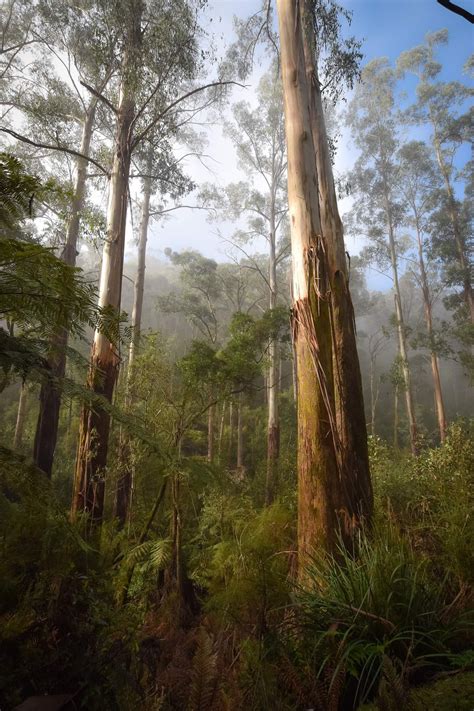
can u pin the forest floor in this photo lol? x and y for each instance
(454, 693)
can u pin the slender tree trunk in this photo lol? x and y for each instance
(373, 401)
(210, 433)
(402, 346)
(50, 394)
(230, 448)
(221, 433)
(357, 497)
(240, 437)
(89, 483)
(463, 259)
(273, 427)
(126, 479)
(438, 392)
(395, 417)
(318, 468)
(20, 417)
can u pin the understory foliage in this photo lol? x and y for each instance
(98, 618)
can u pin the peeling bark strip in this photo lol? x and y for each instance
(50, 396)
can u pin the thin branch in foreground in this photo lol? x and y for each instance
(61, 149)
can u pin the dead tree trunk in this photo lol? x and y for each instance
(50, 394)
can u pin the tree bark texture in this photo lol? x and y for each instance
(319, 474)
(348, 389)
(50, 394)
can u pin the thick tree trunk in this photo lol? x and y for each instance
(438, 392)
(318, 469)
(50, 394)
(89, 483)
(349, 398)
(20, 417)
(273, 427)
(125, 481)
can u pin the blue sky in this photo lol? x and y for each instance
(387, 27)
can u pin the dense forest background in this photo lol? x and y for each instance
(168, 540)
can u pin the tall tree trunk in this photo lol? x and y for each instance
(221, 433)
(395, 417)
(349, 398)
(240, 437)
(318, 467)
(89, 483)
(373, 399)
(50, 394)
(210, 433)
(438, 392)
(402, 342)
(461, 250)
(124, 492)
(20, 417)
(273, 427)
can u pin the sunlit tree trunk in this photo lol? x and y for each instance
(438, 392)
(273, 427)
(350, 412)
(20, 417)
(50, 394)
(89, 483)
(125, 480)
(318, 470)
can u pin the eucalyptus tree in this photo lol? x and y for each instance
(326, 502)
(332, 64)
(259, 139)
(161, 173)
(378, 213)
(419, 183)
(442, 106)
(158, 56)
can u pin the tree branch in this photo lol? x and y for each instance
(99, 96)
(457, 10)
(61, 149)
(153, 123)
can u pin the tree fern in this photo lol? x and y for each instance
(203, 674)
